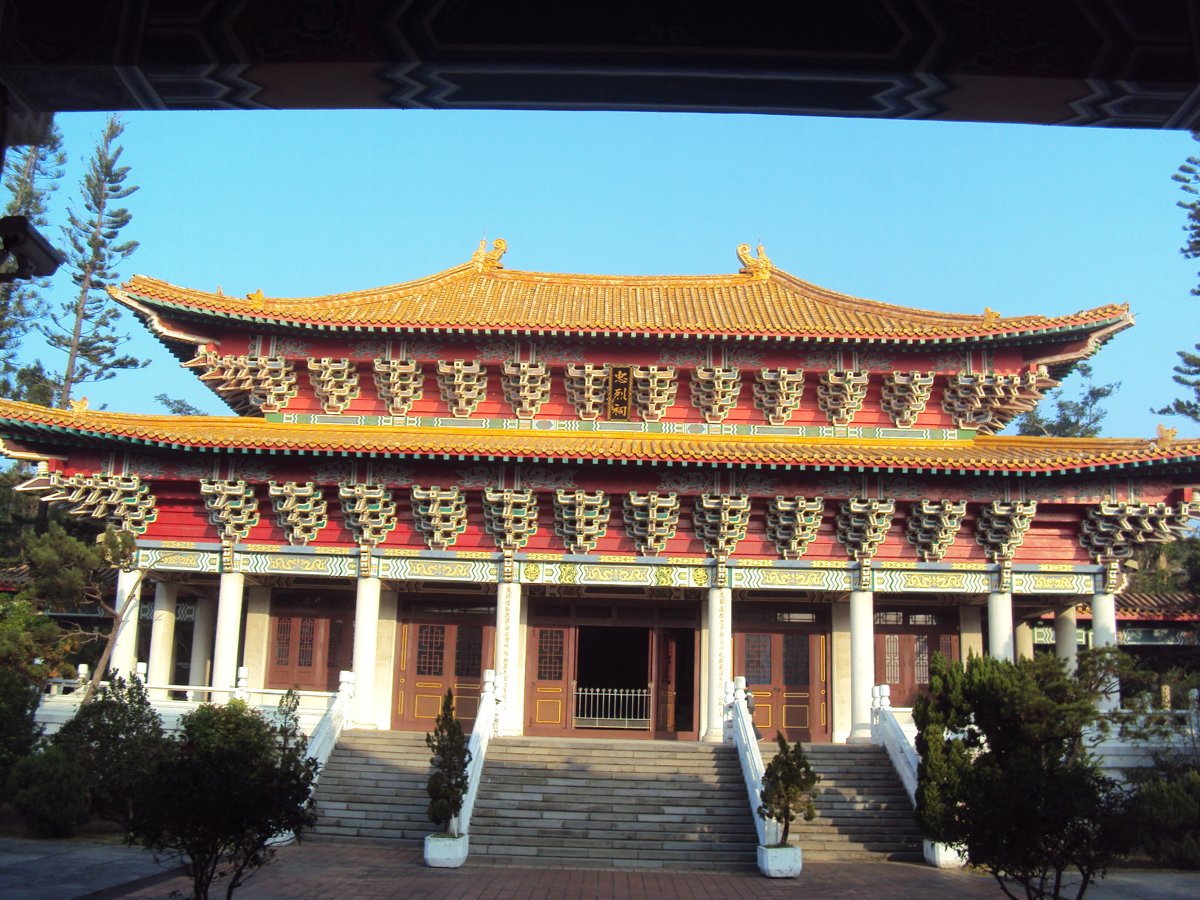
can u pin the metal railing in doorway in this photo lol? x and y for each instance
(625, 708)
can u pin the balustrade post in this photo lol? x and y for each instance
(346, 681)
(242, 685)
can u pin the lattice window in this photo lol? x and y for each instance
(307, 645)
(889, 618)
(923, 619)
(946, 646)
(795, 659)
(468, 651)
(921, 664)
(431, 649)
(337, 629)
(283, 641)
(550, 655)
(758, 659)
(891, 659)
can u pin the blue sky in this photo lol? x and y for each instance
(946, 216)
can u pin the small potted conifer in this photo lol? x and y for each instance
(788, 786)
(447, 849)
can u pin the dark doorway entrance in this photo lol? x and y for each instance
(613, 657)
(612, 683)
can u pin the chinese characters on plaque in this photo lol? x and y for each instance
(620, 392)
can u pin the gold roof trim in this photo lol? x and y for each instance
(481, 295)
(27, 425)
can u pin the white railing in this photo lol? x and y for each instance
(482, 732)
(324, 736)
(893, 730)
(740, 731)
(63, 697)
(627, 708)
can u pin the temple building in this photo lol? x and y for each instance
(617, 492)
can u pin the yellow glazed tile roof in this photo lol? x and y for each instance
(33, 431)
(760, 301)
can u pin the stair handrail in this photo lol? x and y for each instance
(326, 732)
(887, 732)
(740, 732)
(481, 734)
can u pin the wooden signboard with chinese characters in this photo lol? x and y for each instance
(620, 393)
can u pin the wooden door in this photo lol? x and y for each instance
(550, 666)
(435, 657)
(787, 673)
(308, 650)
(902, 658)
(666, 681)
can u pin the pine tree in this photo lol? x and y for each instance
(1187, 373)
(31, 175)
(85, 328)
(1066, 417)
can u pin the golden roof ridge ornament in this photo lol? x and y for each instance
(257, 298)
(78, 406)
(1164, 437)
(757, 267)
(485, 260)
(991, 318)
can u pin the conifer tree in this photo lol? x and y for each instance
(1060, 416)
(85, 327)
(1187, 373)
(31, 175)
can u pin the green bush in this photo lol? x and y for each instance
(18, 730)
(1166, 818)
(788, 786)
(229, 782)
(116, 738)
(448, 783)
(47, 791)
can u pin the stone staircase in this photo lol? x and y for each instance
(596, 803)
(604, 803)
(863, 812)
(373, 786)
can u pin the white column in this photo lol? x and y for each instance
(202, 641)
(862, 663)
(1066, 636)
(840, 671)
(1023, 640)
(385, 659)
(229, 629)
(970, 632)
(1104, 634)
(124, 655)
(1000, 625)
(162, 638)
(256, 635)
(510, 663)
(720, 660)
(366, 641)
